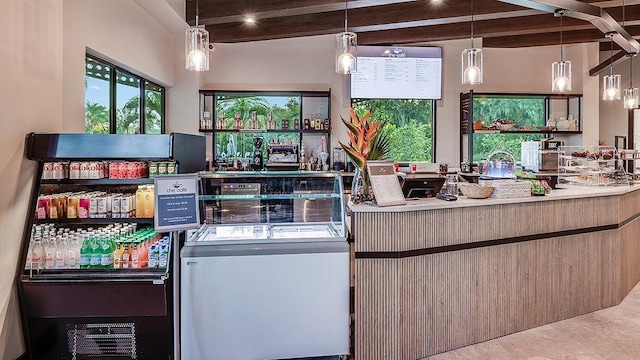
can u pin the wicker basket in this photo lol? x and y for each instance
(508, 188)
(475, 191)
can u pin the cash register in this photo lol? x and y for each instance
(421, 179)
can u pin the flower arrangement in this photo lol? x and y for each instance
(366, 142)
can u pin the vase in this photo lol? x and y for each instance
(360, 187)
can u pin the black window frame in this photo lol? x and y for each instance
(114, 70)
(434, 117)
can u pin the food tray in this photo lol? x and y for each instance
(505, 189)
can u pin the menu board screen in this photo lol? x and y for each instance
(398, 73)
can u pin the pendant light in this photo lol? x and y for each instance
(472, 61)
(346, 49)
(630, 97)
(561, 70)
(197, 47)
(611, 83)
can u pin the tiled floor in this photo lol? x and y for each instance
(611, 334)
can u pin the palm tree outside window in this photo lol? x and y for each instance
(120, 102)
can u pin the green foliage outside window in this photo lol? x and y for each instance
(280, 107)
(99, 88)
(408, 122)
(524, 110)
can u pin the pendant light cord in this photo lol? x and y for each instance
(472, 24)
(345, 15)
(197, 13)
(561, 53)
(611, 56)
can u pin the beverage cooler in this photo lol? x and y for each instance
(97, 279)
(267, 275)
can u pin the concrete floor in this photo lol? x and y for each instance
(611, 334)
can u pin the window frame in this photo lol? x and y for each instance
(114, 70)
(434, 122)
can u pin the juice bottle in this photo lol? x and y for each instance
(140, 202)
(163, 256)
(126, 254)
(135, 255)
(149, 201)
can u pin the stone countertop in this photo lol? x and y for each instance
(561, 193)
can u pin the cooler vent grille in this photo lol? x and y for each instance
(100, 341)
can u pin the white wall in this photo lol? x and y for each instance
(612, 113)
(31, 100)
(119, 31)
(308, 64)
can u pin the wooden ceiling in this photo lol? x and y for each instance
(403, 22)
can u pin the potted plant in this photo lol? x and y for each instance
(366, 142)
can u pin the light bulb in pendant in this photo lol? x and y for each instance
(561, 83)
(196, 59)
(347, 62)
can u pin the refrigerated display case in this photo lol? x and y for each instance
(97, 280)
(267, 275)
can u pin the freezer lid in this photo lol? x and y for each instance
(215, 250)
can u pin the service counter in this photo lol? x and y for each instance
(433, 276)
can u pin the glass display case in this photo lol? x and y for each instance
(96, 279)
(590, 165)
(274, 246)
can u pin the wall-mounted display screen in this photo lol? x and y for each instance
(398, 73)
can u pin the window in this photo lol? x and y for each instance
(112, 101)
(524, 110)
(409, 123)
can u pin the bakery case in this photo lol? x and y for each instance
(267, 275)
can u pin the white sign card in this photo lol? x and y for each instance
(385, 183)
(176, 202)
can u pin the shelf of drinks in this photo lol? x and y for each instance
(96, 221)
(104, 181)
(90, 274)
(268, 131)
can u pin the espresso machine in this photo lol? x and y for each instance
(257, 162)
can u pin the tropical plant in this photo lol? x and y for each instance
(96, 118)
(366, 142)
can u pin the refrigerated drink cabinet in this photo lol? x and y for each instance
(96, 281)
(267, 276)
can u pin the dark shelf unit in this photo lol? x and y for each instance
(301, 132)
(104, 181)
(467, 119)
(56, 302)
(95, 221)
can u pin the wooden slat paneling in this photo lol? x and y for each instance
(414, 307)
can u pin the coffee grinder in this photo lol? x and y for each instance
(257, 162)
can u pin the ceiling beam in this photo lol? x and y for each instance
(608, 62)
(593, 14)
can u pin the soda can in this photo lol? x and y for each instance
(114, 170)
(94, 171)
(84, 170)
(74, 170)
(47, 171)
(131, 170)
(153, 169)
(65, 170)
(58, 171)
(162, 168)
(171, 167)
(101, 171)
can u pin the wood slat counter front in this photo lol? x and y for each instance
(433, 276)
